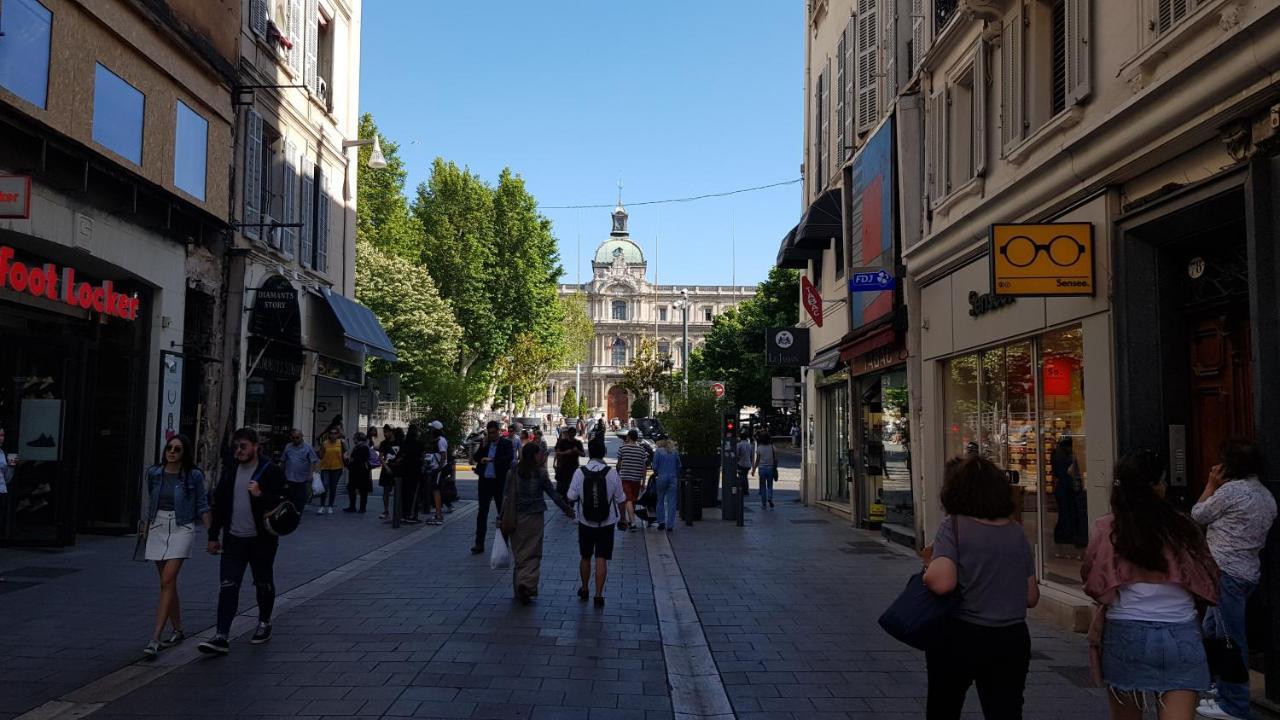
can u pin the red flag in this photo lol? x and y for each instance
(812, 300)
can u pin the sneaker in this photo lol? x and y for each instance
(410, 521)
(218, 645)
(152, 649)
(320, 511)
(262, 634)
(177, 637)
(384, 516)
(1211, 709)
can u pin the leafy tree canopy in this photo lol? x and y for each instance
(734, 349)
(382, 211)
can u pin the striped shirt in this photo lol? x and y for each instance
(632, 461)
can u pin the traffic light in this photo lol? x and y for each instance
(730, 426)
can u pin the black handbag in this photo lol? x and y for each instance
(1226, 662)
(917, 616)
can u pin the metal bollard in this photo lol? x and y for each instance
(738, 501)
(395, 504)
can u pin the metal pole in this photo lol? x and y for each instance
(685, 359)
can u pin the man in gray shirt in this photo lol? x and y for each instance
(249, 488)
(300, 461)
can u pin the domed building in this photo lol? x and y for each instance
(626, 308)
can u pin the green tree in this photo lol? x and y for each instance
(693, 421)
(734, 349)
(579, 331)
(647, 372)
(419, 322)
(382, 211)
(640, 407)
(455, 209)
(569, 405)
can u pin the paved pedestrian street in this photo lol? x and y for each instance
(776, 619)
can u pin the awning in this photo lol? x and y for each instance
(361, 327)
(821, 223)
(878, 339)
(826, 360)
(790, 256)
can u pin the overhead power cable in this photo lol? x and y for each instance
(674, 200)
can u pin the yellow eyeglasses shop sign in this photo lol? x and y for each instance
(1054, 259)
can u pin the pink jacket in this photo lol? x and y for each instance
(1103, 571)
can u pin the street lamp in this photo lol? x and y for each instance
(683, 305)
(376, 160)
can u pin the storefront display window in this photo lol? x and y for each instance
(835, 405)
(1022, 407)
(886, 454)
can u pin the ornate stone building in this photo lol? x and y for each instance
(627, 308)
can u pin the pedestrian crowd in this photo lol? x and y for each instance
(1171, 587)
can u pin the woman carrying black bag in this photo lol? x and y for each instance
(980, 552)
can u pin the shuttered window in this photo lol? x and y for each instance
(311, 43)
(868, 64)
(307, 246)
(1171, 12)
(841, 108)
(918, 48)
(252, 216)
(1012, 124)
(849, 87)
(294, 20)
(289, 205)
(323, 208)
(258, 17)
(820, 135)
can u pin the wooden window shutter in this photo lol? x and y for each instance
(868, 65)
(833, 153)
(294, 31)
(850, 88)
(1012, 118)
(311, 41)
(918, 48)
(824, 128)
(1079, 51)
(252, 176)
(258, 17)
(980, 110)
(307, 245)
(323, 207)
(935, 121)
(842, 107)
(289, 207)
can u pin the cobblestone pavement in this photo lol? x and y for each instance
(787, 607)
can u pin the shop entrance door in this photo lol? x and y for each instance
(1221, 380)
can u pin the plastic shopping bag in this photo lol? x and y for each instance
(500, 557)
(317, 485)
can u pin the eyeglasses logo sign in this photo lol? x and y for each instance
(1045, 260)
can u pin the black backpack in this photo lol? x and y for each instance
(595, 494)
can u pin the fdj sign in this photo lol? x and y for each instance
(870, 280)
(46, 282)
(1042, 260)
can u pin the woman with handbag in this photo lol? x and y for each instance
(177, 498)
(1150, 570)
(527, 483)
(980, 552)
(1238, 511)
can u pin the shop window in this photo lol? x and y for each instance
(1022, 407)
(24, 50)
(619, 308)
(190, 151)
(117, 115)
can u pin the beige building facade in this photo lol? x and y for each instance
(626, 308)
(296, 337)
(1156, 124)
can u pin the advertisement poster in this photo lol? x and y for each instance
(328, 408)
(170, 399)
(40, 436)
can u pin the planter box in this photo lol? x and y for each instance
(706, 468)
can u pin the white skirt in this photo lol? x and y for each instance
(167, 540)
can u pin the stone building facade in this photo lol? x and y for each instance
(626, 308)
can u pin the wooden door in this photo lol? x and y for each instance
(619, 407)
(1221, 388)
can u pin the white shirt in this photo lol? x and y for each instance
(1153, 602)
(613, 483)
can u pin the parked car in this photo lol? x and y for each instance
(649, 429)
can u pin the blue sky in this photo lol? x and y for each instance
(675, 97)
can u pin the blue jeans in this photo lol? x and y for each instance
(667, 488)
(767, 477)
(1233, 597)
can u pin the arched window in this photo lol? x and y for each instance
(619, 309)
(664, 348)
(619, 352)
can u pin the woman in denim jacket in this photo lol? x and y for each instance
(177, 497)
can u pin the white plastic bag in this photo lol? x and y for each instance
(500, 557)
(317, 485)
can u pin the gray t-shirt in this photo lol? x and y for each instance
(168, 489)
(994, 562)
(242, 524)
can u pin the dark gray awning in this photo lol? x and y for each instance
(790, 256)
(821, 223)
(360, 326)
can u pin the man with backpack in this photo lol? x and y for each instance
(597, 489)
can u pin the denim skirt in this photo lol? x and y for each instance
(1154, 656)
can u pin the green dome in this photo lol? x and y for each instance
(610, 249)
